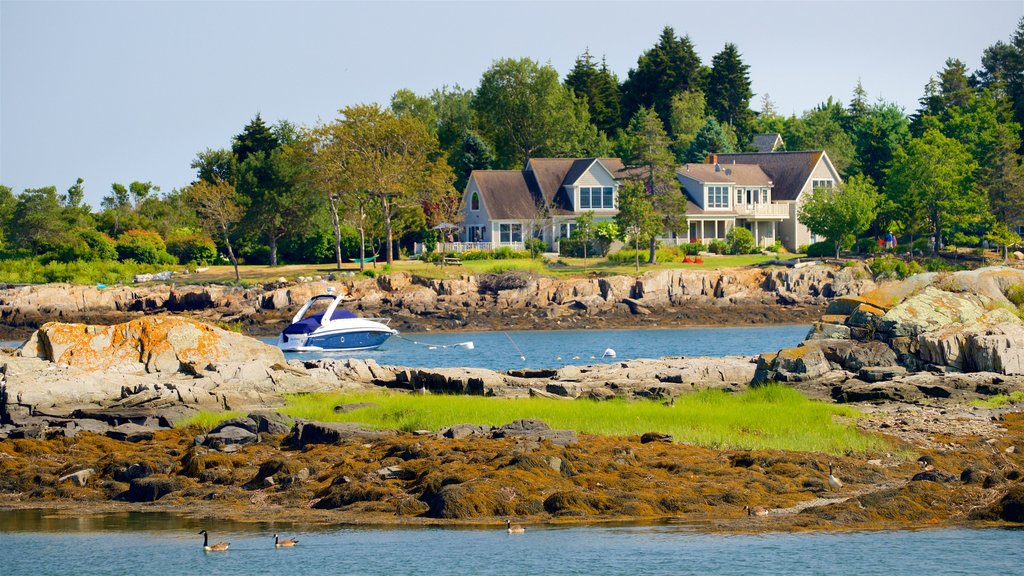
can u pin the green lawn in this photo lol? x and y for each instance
(770, 417)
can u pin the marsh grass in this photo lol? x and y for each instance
(205, 421)
(768, 417)
(1000, 400)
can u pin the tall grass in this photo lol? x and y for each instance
(769, 417)
(31, 271)
(205, 421)
(1000, 400)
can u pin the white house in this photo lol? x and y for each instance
(794, 177)
(505, 207)
(723, 197)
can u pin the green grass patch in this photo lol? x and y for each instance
(32, 271)
(1000, 400)
(768, 417)
(205, 420)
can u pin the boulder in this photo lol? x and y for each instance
(648, 437)
(998, 348)
(270, 422)
(1011, 506)
(151, 488)
(459, 431)
(247, 424)
(131, 433)
(230, 435)
(533, 429)
(881, 373)
(932, 309)
(153, 343)
(336, 432)
(858, 391)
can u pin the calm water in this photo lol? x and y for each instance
(556, 348)
(157, 544)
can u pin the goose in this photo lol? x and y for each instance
(756, 511)
(218, 547)
(833, 482)
(514, 528)
(286, 543)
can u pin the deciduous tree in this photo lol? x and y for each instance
(220, 211)
(636, 219)
(845, 210)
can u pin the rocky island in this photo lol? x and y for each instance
(932, 364)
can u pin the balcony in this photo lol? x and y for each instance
(762, 211)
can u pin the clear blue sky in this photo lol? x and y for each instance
(122, 91)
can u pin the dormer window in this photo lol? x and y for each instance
(474, 202)
(597, 197)
(718, 197)
(815, 184)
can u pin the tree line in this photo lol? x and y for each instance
(378, 177)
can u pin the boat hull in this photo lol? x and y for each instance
(341, 341)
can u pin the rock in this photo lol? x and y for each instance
(78, 478)
(933, 476)
(994, 479)
(131, 433)
(1011, 506)
(998, 348)
(230, 435)
(78, 426)
(649, 437)
(828, 331)
(335, 432)
(129, 472)
(395, 473)
(881, 373)
(247, 424)
(524, 425)
(930, 310)
(151, 488)
(601, 393)
(459, 431)
(270, 422)
(157, 343)
(343, 408)
(533, 429)
(1018, 255)
(855, 391)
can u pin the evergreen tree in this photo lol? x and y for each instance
(670, 67)
(75, 195)
(1003, 65)
(712, 138)
(646, 146)
(599, 88)
(729, 90)
(474, 153)
(823, 128)
(255, 138)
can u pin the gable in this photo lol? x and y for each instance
(789, 171)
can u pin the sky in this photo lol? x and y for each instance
(123, 91)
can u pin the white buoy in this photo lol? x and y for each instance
(608, 353)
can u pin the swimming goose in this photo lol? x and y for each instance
(756, 511)
(286, 543)
(833, 482)
(218, 547)
(514, 528)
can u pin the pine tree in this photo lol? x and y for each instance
(710, 139)
(599, 88)
(729, 90)
(670, 67)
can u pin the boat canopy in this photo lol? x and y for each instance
(311, 323)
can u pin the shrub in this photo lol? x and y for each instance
(1015, 294)
(940, 265)
(143, 246)
(369, 273)
(693, 248)
(32, 271)
(802, 249)
(507, 253)
(741, 241)
(868, 246)
(535, 246)
(718, 246)
(777, 247)
(923, 245)
(627, 256)
(477, 255)
(86, 245)
(192, 249)
(894, 268)
(821, 250)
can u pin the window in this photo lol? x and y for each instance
(474, 202)
(764, 196)
(566, 229)
(815, 184)
(739, 196)
(597, 197)
(718, 197)
(510, 233)
(476, 233)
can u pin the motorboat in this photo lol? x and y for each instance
(333, 330)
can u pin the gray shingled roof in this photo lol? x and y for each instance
(741, 174)
(789, 171)
(767, 142)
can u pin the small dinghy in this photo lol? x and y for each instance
(333, 330)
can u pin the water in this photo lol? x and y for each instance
(557, 348)
(163, 545)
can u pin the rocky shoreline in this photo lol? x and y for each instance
(663, 298)
(86, 414)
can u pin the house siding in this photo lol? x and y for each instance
(594, 176)
(479, 217)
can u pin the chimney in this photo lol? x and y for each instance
(712, 159)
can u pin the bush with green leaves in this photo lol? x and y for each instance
(741, 241)
(777, 247)
(32, 271)
(85, 245)
(507, 253)
(821, 250)
(535, 246)
(868, 246)
(192, 249)
(471, 255)
(718, 246)
(144, 247)
(892, 268)
(692, 248)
